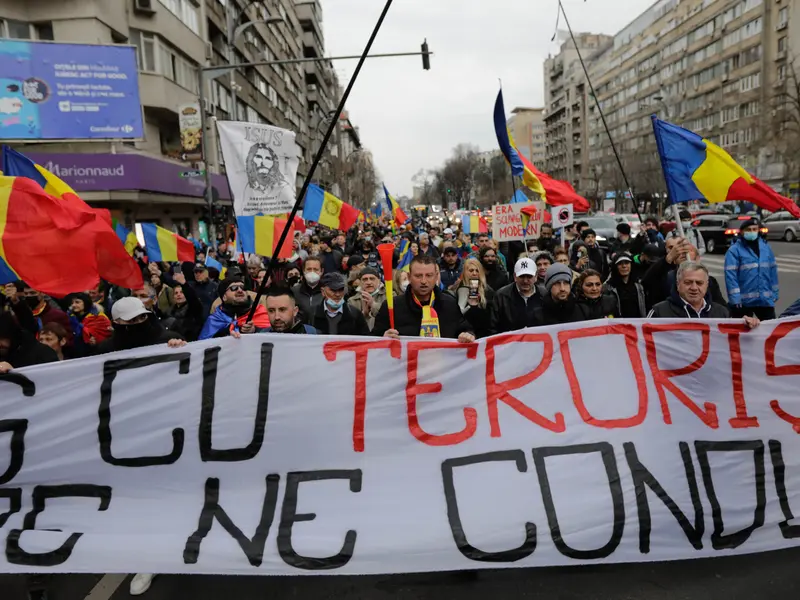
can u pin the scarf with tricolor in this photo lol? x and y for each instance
(429, 327)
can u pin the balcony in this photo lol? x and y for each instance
(162, 94)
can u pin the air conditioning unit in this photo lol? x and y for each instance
(209, 51)
(208, 105)
(146, 7)
(782, 26)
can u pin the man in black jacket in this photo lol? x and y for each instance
(136, 327)
(558, 304)
(308, 292)
(424, 311)
(690, 299)
(514, 305)
(18, 348)
(335, 316)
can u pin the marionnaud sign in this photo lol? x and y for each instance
(68, 91)
(108, 172)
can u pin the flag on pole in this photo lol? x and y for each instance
(212, 263)
(404, 259)
(697, 169)
(398, 216)
(162, 245)
(326, 209)
(114, 262)
(550, 190)
(260, 235)
(126, 236)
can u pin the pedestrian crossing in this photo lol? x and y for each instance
(716, 264)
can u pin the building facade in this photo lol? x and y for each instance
(141, 180)
(566, 104)
(527, 128)
(716, 67)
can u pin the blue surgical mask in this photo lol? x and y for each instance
(751, 236)
(333, 304)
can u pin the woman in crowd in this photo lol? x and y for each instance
(89, 325)
(399, 282)
(414, 249)
(475, 296)
(592, 302)
(625, 287)
(496, 275)
(185, 316)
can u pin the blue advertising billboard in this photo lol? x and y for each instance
(68, 91)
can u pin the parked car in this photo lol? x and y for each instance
(604, 226)
(782, 226)
(720, 231)
(632, 220)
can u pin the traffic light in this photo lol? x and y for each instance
(426, 56)
(449, 191)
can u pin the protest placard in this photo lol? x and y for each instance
(282, 454)
(507, 221)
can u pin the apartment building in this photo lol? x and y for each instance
(527, 128)
(142, 180)
(566, 103)
(713, 66)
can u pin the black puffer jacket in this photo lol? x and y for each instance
(557, 313)
(510, 311)
(676, 308)
(604, 307)
(308, 299)
(408, 316)
(25, 351)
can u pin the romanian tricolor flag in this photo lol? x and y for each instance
(398, 216)
(474, 224)
(260, 234)
(126, 236)
(550, 190)
(114, 264)
(164, 246)
(696, 169)
(49, 243)
(326, 209)
(404, 259)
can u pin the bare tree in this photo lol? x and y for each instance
(783, 118)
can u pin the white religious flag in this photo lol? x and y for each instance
(261, 163)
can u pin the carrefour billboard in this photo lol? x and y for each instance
(68, 91)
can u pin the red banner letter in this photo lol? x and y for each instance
(742, 419)
(662, 378)
(414, 389)
(500, 391)
(777, 335)
(361, 349)
(631, 339)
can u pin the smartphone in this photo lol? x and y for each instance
(176, 270)
(473, 288)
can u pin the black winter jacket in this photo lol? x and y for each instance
(308, 299)
(553, 313)
(408, 316)
(603, 308)
(351, 323)
(510, 311)
(676, 308)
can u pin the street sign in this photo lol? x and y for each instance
(195, 173)
(562, 215)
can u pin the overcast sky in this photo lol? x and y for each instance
(410, 118)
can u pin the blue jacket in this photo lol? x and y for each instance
(752, 280)
(793, 310)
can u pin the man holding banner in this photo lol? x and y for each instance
(424, 310)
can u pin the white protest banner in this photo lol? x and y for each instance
(261, 163)
(599, 442)
(507, 221)
(562, 216)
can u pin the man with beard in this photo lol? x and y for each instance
(136, 327)
(283, 313)
(18, 348)
(230, 317)
(266, 185)
(558, 304)
(43, 311)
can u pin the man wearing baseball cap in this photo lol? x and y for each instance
(515, 304)
(558, 305)
(335, 316)
(136, 327)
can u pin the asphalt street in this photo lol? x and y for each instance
(788, 259)
(770, 575)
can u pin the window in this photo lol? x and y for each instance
(146, 44)
(730, 114)
(44, 31)
(157, 56)
(781, 72)
(185, 11)
(18, 30)
(782, 44)
(783, 16)
(749, 109)
(750, 82)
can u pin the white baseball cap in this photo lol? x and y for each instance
(127, 309)
(525, 266)
(448, 230)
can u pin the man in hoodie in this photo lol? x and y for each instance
(449, 267)
(751, 274)
(690, 299)
(284, 314)
(136, 327)
(19, 348)
(308, 293)
(231, 317)
(44, 311)
(205, 289)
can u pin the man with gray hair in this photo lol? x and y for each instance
(690, 298)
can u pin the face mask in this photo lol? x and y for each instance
(333, 304)
(293, 280)
(312, 278)
(32, 301)
(686, 224)
(751, 236)
(404, 286)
